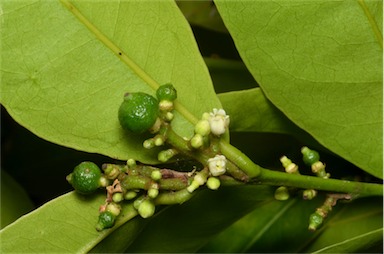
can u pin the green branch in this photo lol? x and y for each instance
(266, 176)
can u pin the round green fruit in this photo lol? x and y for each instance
(166, 92)
(106, 220)
(85, 178)
(138, 112)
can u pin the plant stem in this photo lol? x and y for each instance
(357, 189)
(240, 159)
(260, 175)
(266, 176)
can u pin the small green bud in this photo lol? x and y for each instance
(146, 208)
(131, 163)
(206, 116)
(117, 197)
(315, 221)
(104, 182)
(149, 143)
(309, 156)
(156, 175)
(106, 220)
(111, 171)
(159, 140)
(153, 193)
(113, 208)
(285, 161)
(138, 201)
(169, 116)
(197, 141)
(166, 92)
(130, 195)
(281, 193)
(309, 194)
(213, 183)
(165, 155)
(203, 128)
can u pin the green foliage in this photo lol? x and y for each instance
(321, 65)
(312, 74)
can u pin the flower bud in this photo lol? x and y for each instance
(197, 141)
(202, 127)
(213, 183)
(146, 208)
(281, 193)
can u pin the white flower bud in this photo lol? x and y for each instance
(217, 165)
(218, 121)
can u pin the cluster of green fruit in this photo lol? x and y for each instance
(146, 185)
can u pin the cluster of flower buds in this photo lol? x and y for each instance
(215, 123)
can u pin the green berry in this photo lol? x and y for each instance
(106, 220)
(310, 156)
(138, 112)
(85, 178)
(166, 92)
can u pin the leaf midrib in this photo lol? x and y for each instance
(125, 58)
(372, 22)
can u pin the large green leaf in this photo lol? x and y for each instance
(286, 223)
(320, 63)
(186, 228)
(65, 224)
(66, 67)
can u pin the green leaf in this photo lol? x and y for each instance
(369, 240)
(264, 116)
(66, 67)
(65, 224)
(186, 228)
(11, 191)
(320, 63)
(229, 75)
(286, 223)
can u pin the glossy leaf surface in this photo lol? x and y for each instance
(320, 63)
(66, 66)
(65, 224)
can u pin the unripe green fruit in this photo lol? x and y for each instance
(138, 112)
(166, 92)
(310, 156)
(106, 220)
(85, 178)
(315, 221)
